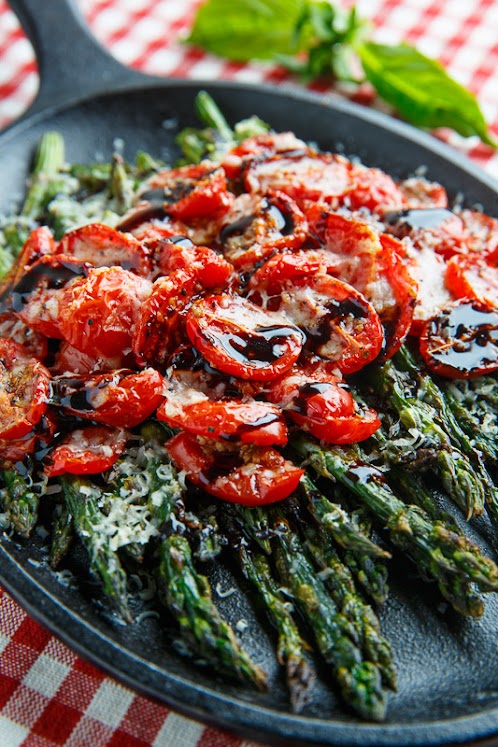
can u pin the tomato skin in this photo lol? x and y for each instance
(97, 314)
(193, 192)
(373, 189)
(69, 359)
(103, 246)
(119, 398)
(420, 193)
(211, 269)
(229, 420)
(461, 342)
(87, 451)
(251, 476)
(39, 243)
(258, 226)
(239, 338)
(24, 390)
(160, 326)
(473, 275)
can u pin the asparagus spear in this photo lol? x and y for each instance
(188, 596)
(437, 550)
(359, 680)
(45, 181)
(465, 483)
(337, 521)
(20, 501)
(477, 416)
(339, 581)
(81, 499)
(291, 646)
(62, 536)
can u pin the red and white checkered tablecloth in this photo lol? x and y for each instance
(49, 696)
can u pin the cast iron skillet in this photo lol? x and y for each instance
(448, 667)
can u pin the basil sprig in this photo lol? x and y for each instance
(313, 38)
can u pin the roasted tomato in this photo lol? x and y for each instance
(160, 326)
(13, 328)
(373, 189)
(312, 177)
(256, 227)
(69, 359)
(374, 264)
(24, 390)
(87, 451)
(39, 243)
(97, 314)
(190, 193)
(241, 339)
(433, 294)
(250, 475)
(437, 229)
(322, 405)
(121, 398)
(339, 323)
(261, 147)
(179, 253)
(474, 275)
(104, 247)
(419, 192)
(204, 402)
(36, 296)
(461, 342)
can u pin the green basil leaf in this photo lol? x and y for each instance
(421, 90)
(247, 29)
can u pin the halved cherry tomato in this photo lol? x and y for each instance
(374, 265)
(160, 325)
(87, 451)
(103, 246)
(35, 298)
(24, 390)
(438, 229)
(120, 398)
(97, 314)
(13, 328)
(461, 342)
(69, 359)
(256, 227)
(481, 231)
(261, 147)
(39, 243)
(373, 189)
(322, 405)
(204, 402)
(310, 177)
(339, 323)
(433, 294)
(241, 339)
(419, 192)
(250, 475)
(191, 192)
(179, 252)
(474, 275)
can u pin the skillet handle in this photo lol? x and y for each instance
(71, 62)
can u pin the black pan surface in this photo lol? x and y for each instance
(447, 666)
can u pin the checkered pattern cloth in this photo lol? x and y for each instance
(49, 696)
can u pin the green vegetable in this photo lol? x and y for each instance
(247, 29)
(421, 90)
(314, 38)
